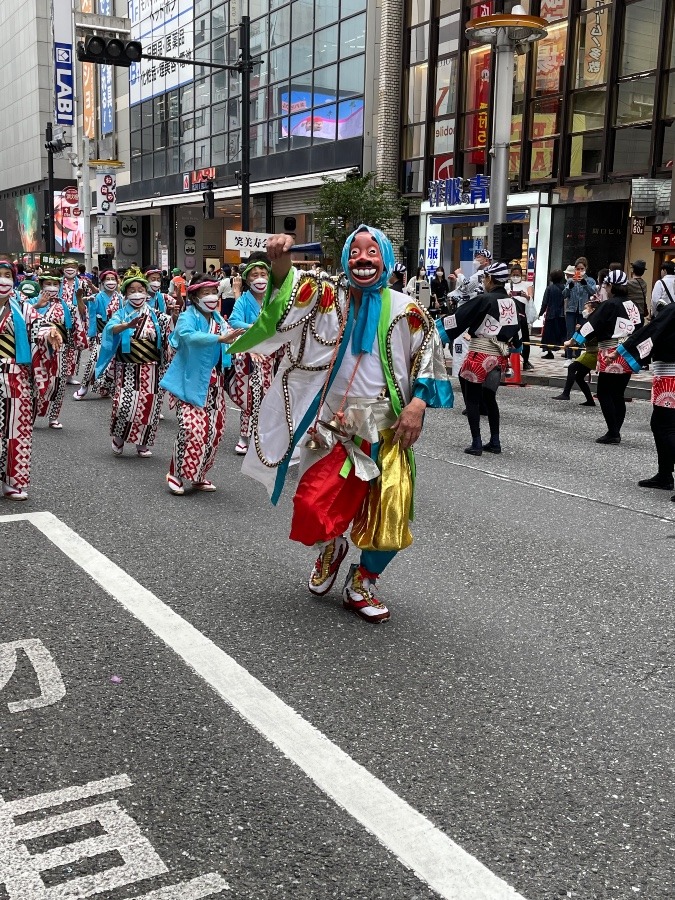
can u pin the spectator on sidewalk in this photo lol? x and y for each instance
(553, 311)
(664, 289)
(580, 287)
(637, 286)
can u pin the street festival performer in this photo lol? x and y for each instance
(362, 365)
(656, 341)
(98, 314)
(25, 345)
(71, 285)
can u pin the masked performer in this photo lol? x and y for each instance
(156, 299)
(24, 345)
(71, 283)
(491, 320)
(614, 320)
(137, 339)
(656, 341)
(362, 365)
(97, 309)
(71, 321)
(196, 378)
(253, 372)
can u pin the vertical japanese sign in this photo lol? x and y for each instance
(64, 92)
(165, 29)
(479, 62)
(595, 53)
(88, 87)
(553, 9)
(105, 82)
(106, 194)
(432, 253)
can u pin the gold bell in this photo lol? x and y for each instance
(336, 424)
(315, 442)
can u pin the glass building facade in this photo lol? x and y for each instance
(307, 93)
(593, 101)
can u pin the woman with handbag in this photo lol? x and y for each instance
(196, 378)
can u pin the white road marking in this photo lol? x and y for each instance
(452, 872)
(550, 488)
(21, 872)
(52, 688)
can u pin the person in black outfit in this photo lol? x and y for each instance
(397, 282)
(614, 320)
(656, 341)
(439, 293)
(553, 308)
(491, 320)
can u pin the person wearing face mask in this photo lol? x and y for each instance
(26, 343)
(137, 339)
(580, 368)
(73, 284)
(196, 379)
(98, 314)
(156, 299)
(71, 319)
(253, 373)
(579, 288)
(612, 322)
(492, 322)
(362, 365)
(523, 294)
(439, 293)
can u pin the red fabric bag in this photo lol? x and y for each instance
(325, 503)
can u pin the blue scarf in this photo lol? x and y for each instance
(365, 327)
(21, 342)
(98, 309)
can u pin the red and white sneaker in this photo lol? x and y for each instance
(327, 566)
(358, 596)
(206, 486)
(12, 493)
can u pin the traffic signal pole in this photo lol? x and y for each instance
(49, 199)
(100, 55)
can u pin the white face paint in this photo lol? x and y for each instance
(259, 285)
(50, 289)
(155, 285)
(137, 298)
(70, 272)
(110, 284)
(6, 286)
(209, 302)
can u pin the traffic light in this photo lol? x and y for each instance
(109, 51)
(58, 145)
(209, 206)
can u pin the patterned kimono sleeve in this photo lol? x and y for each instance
(639, 345)
(428, 375)
(166, 327)
(285, 311)
(80, 327)
(41, 352)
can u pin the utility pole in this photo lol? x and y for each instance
(245, 66)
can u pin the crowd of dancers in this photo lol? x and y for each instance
(331, 373)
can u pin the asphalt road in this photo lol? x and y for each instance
(520, 697)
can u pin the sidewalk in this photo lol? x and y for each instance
(552, 373)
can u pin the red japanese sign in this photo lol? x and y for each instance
(663, 236)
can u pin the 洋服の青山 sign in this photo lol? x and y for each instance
(458, 191)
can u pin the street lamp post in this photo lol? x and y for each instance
(508, 33)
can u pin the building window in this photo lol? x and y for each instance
(593, 46)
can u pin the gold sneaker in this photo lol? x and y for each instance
(358, 596)
(327, 566)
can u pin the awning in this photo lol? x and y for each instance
(519, 215)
